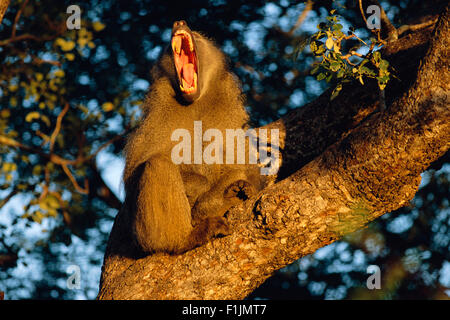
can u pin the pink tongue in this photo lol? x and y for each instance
(188, 73)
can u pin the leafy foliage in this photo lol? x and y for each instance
(327, 44)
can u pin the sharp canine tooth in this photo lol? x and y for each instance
(191, 45)
(176, 44)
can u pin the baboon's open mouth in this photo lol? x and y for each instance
(185, 58)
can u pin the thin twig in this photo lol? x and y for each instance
(107, 143)
(16, 19)
(377, 31)
(362, 12)
(302, 17)
(74, 182)
(58, 126)
(47, 181)
(8, 197)
(415, 27)
(39, 61)
(53, 157)
(25, 36)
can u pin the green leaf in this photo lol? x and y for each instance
(367, 71)
(70, 56)
(320, 35)
(363, 62)
(59, 73)
(321, 76)
(313, 46)
(46, 120)
(315, 69)
(37, 169)
(377, 56)
(337, 26)
(384, 64)
(98, 26)
(108, 106)
(338, 33)
(329, 43)
(5, 113)
(8, 166)
(13, 101)
(53, 202)
(320, 50)
(335, 66)
(336, 91)
(43, 205)
(37, 216)
(32, 116)
(65, 45)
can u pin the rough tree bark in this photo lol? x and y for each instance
(344, 164)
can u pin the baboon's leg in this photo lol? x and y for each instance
(163, 216)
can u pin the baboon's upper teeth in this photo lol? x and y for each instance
(187, 35)
(176, 44)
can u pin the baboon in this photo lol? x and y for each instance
(176, 207)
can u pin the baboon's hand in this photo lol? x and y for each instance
(240, 189)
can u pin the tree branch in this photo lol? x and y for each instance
(341, 170)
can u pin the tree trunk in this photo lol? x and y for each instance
(345, 163)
